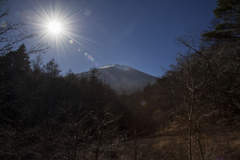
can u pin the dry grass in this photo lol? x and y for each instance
(217, 144)
(173, 144)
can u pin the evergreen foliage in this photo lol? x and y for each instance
(60, 106)
(45, 115)
(228, 11)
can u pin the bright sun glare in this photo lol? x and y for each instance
(54, 27)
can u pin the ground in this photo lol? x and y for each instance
(173, 144)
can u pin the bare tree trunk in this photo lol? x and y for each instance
(190, 139)
(199, 143)
(135, 142)
(96, 156)
(98, 145)
(75, 150)
(190, 128)
(135, 136)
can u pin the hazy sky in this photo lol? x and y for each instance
(136, 33)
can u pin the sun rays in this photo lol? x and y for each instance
(58, 27)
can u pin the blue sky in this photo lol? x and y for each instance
(136, 33)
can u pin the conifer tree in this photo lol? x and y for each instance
(14, 67)
(228, 11)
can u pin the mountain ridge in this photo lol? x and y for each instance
(124, 79)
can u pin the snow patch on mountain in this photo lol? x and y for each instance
(120, 67)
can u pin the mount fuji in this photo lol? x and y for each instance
(124, 78)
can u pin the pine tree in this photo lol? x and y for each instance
(52, 69)
(14, 68)
(228, 11)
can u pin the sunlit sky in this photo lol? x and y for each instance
(136, 33)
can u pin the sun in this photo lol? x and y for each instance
(58, 26)
(54, 27)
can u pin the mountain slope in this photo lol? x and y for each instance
(123, 78)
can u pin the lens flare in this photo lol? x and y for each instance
(87, 12)
(143, 103)
(56, 25)
(90, 58)
(29, 18)
(18, 14)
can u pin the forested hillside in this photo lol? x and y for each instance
(191, 112)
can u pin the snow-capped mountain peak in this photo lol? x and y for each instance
(120, 67)
(124, 79)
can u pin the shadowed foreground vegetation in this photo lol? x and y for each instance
(191, 112)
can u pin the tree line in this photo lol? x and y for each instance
(46, 115)
(201, 89)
